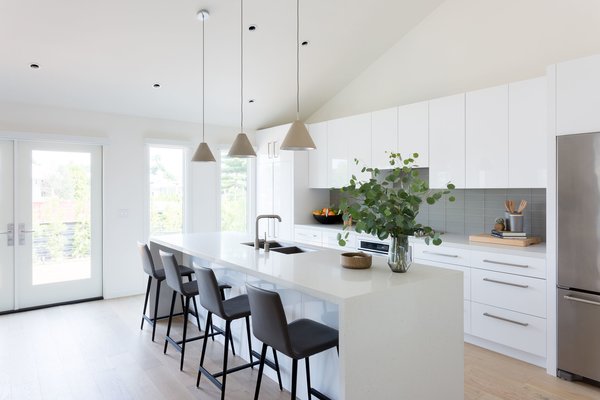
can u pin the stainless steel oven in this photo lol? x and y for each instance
(373, 246)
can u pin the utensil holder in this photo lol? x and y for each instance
(515, 222)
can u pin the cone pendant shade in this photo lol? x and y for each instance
(241, 147)
(203, 153)
(298, 138)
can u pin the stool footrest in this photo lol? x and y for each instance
(268, 362)
(177, 343)
(318, 394)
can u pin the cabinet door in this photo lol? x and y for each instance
(413, 132)
(527, 134)
(358, 133)
(487, 138)
(337, 153)
(384, 136)
(447, 141)
(264, 191)
(317, 159)
(578, 96)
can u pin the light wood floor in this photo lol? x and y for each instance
(96, 351)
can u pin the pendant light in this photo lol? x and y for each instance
(241, 147)
(203, 153)
(298, 137)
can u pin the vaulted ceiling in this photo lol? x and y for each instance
(106, 55)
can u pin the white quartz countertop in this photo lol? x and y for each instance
(317, 272)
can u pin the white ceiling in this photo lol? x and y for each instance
(106, 55)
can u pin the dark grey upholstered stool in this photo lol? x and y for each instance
(298, 340)
(228, 310)
(159, 276)
(187, 291)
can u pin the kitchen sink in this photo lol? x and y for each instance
(272, 245)
(291, 250)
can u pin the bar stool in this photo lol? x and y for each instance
(159, 276)
(298, 340)
(187, 290)
(228, 310)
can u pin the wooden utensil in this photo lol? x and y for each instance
(511, 206)
(522, 206)
(506, 205)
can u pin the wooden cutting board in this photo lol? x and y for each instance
(520, 242)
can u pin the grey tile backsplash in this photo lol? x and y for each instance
(475, 210)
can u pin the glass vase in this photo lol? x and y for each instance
(400, 254)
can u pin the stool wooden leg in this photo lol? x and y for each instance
(263, 355)
(294, 376)
(307, 377)
(170, 320)
(158, 284)
(186, 310)
(146, 300)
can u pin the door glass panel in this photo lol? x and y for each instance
(61, 216)
(234, 200)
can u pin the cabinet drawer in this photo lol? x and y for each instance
(306, 235)
(465, 270)
(518, 293)
(447, 255)
(330, 240)
(520, 331)
(528, 266)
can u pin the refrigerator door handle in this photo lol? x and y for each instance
(594, 303)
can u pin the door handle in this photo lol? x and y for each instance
(10, 234)
(512, 321)
(506, 283)
(440, 254)
(505, 263)
(22, 231)
(594, 303)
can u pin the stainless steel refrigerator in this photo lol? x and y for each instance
(578, 291)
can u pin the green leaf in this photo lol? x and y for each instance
(451, 198)
(415, 155)
(451, 186)
(430, 200)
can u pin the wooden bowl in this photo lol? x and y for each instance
(357, 260)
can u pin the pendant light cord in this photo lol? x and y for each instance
(203, 18)
(297, 59)
(241, 66)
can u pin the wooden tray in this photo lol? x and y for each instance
(521, 242)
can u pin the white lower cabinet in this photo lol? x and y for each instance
(308, 235)
(324, 237)
(504, 296)
(517, 330)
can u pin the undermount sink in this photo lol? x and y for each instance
(261, 244)
(291, 250)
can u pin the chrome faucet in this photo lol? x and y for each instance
(258, 218)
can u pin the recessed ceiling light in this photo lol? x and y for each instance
(251, 101)
(305, 43)
(156, 85)
(34, 66)
(252, 28)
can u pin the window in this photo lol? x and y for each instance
(167, 189)
(234, 193)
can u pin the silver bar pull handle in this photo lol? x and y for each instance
(506, 283)
(22, 231)
(512, 321)
(577, 299)
(440, 254)
(10, 234)
(505, 263)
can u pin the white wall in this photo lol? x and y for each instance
(471, 44)
(125, 176)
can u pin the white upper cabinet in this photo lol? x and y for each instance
(384, 134)
(317, 159)
(359, 146)
(527, 134)
(487, 138)
(337, 153)
(578, 96)
(447, 141)
(413, 132)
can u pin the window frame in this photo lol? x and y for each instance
(186, 176)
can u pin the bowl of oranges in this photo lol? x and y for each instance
(328, 216)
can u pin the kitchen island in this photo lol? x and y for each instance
(401, 335)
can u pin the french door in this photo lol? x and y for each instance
(50, 223)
